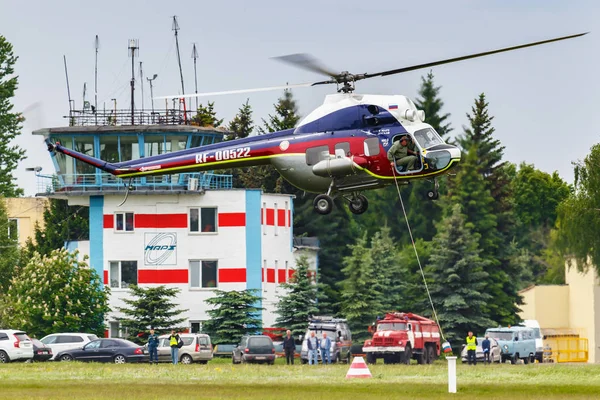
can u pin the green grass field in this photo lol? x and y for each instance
(219, 379)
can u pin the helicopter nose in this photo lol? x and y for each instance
(455, 153)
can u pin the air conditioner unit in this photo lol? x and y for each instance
(193, 184)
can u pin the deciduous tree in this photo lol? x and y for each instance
(56, 293)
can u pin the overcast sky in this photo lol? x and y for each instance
(544, 100)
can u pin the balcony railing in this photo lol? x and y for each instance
(171, 116)
(62, 183)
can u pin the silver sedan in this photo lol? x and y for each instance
(495, 351)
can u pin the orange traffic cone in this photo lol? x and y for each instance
(358, 369)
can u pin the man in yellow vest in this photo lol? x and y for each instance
(174, 342)
(471, 349)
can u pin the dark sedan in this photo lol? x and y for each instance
(118, 351)
(41, 352)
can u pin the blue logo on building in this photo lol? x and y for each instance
(160, 248)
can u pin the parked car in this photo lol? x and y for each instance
(15, 346)
(119, 351)
(60, 342)
(495, 352)
(223, 350)
(516, 343)
(41, 352)
(337, 330)
(196, 348)
(254, 349)
(539, 340)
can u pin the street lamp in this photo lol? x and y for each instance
(152, 93)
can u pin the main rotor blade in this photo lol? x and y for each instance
(308, 62)
(264, 89)
(451, 60)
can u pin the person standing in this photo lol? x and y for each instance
(153, 347)
(289, 347)
(485, 345)
(313, 347)
(325, 349)
(471, 349)
(174, 343)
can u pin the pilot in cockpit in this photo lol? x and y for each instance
(404, 153)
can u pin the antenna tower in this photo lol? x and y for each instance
(134, 50)
(195, 57)
(97, 46)
(176, 28)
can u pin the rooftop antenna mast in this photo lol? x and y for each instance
(142, 85)
(97, 46)
(84, 92)
(176, 28)
(195, 57)
(134, 48)
(68, 89)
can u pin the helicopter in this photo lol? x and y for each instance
(339, 149)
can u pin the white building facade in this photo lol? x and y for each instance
(197, 242)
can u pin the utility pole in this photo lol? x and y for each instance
(152, 94)
(176, 28)
(97, 46)
(68, 89)
(195, 57)
(133, 51)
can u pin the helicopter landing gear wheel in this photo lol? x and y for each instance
(323, 204)
(358, 204)
(433, 195)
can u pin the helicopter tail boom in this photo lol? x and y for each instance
(101, 164)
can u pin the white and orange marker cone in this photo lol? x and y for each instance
(359, 369)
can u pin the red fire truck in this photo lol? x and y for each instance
(399, 337)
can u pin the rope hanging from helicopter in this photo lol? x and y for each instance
(417, 255)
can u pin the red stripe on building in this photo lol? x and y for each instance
(281, 218)
(106, 277)
(162, 276)
(161, 220)
(281, 276)
(270, 275)
(109, 221)
(232, 275)
(232, 219)
(290, 273)
(270, 217)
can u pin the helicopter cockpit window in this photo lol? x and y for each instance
(314, 154)
(371, 146)
(428, 138)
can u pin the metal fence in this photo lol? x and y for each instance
(168, 116)
(61, 183)
(561, 350)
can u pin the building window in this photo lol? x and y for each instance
(203, 219)
(122, 274)
(124, 222)
(13, 228)
(196, 326)
(203, 274)
(114, 329)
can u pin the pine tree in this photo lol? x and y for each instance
(241, 125)
(207, 116)
(63, 223)
(234, 315)
(430, 102)
(385, 267)
(10, 122)
(361, 301)
(456, 278)
(298, 304)
(286, 114)
(9, 251)
(150, 308)
(55, 293)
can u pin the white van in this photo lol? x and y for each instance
(539, 340)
